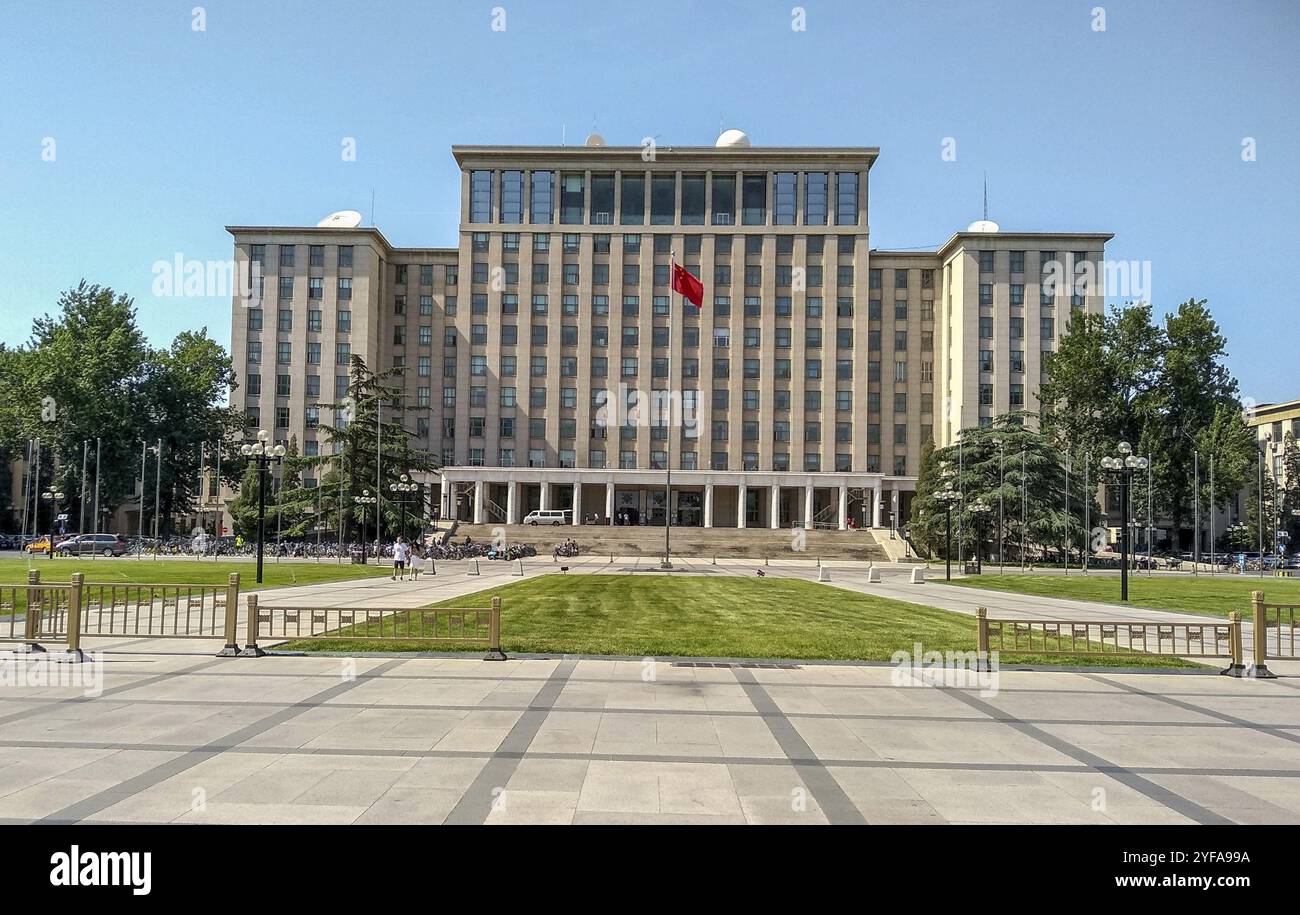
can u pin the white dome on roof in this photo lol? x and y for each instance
(732, 138)
(343, 219)
(595, 139)
(983, 225)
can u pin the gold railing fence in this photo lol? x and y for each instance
(1274, 629)
(113, 609)
(479, 626)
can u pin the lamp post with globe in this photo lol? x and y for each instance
(361, 502)
(1124, 465)
(402, 491)
(948, 497)
(264, 454)
(52, 497)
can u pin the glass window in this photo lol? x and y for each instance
(480, 196)
(846, 198)
(632, 206)
(692, 203)
(602, 199)
(512, 200)
(754, 200)
(571, 198)
(783, 198)
(541, 209)
(724, 200)
(663, 199)
(814, 205)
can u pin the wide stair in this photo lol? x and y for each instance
(751, 543)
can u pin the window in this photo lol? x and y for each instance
(986, 261)
(284, 352)
(815, 201)
(1017, 262)
(783, 198)
(602, 199)
(480, 196)
(754, 200)
(846, 199)
(986, 328)
(986, 294)
(313, 353)
(1017, 395)
(632, 206)
(541, 207)
(286, 255)
(692, 205)
(254, 319)
(663, 199)
(724, 200)
(571, 198)
(345, 289)
(986, 360)
(1017, 363)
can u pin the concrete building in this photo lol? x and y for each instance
(554, 368)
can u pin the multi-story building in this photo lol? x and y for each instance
(799, 393)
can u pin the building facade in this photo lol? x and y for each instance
(554, 368)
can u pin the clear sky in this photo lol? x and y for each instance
(162, 135)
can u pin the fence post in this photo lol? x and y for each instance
(232, 618)
(1235, 668)
(981, 638)
(74, 617)
(32, 619)
(1259, 626)
(494, 652)
(250, 648)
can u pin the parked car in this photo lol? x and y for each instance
(86, 544)
(547, 517)
(39, 545)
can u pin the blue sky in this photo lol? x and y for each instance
(164, 135)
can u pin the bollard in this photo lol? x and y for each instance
(473, 567)
(715, 559)
(494, 652)
(981, 639)
(918, 575)
(873, 576)
(1235, 668)
(611, 558)
(74, 617)
(519, 568)
(32, 621)
(232, 618)
(823, 573)
(1259, 625)
(250, 648)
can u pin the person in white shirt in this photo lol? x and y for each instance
(416, 562)
(401, 551)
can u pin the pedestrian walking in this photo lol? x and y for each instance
(416, 562)
(401, 552)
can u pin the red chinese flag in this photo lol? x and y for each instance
(685, 283)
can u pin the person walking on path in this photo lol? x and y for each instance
(401, 552)
(416, 562)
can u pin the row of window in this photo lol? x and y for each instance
(581, 201)
(1048, 261)
(315, 255)
(786, 274)
(663, 244)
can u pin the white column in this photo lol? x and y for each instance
(875, 506)
(742, 495)
(577, 503)
(444, 498)
(774, 516)
(844, 508)
(478, 501)
(708, 505)
(893, 509)
(808, 506)
(609, 503)
(546, 496)
(511, 516)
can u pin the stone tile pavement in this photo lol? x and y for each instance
(179, 736)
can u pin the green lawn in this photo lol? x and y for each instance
(184, 571)
(1209, 595)
(656, 616)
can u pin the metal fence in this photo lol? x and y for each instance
(1274, 631)
(44, 611)
(477, 626)
(1110, 638)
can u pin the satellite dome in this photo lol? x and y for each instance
(982, 225)
(732, 138)
(343, 219)
(595, 139)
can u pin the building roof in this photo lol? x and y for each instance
(701, 156)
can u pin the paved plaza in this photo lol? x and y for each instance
(177, 735)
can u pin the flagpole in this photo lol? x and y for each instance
(668, 463)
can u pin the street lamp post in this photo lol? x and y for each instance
(362, 501)
(1124, 465)
(52, 497)
(264, 454)
(401, 493)
(948, 496)
(980, 510)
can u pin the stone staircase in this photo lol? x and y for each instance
(697, 542)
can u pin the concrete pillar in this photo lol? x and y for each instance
(444, 498)
(774, 516)
(808, 506)
(844, 508)
(577, 503)
(478, 501)
(512, 516)
(893, 509)
(609, 503)
(546, 497)
(708, 505)
(742, 496)
(875, 506)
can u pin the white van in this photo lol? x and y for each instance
(547, 517)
